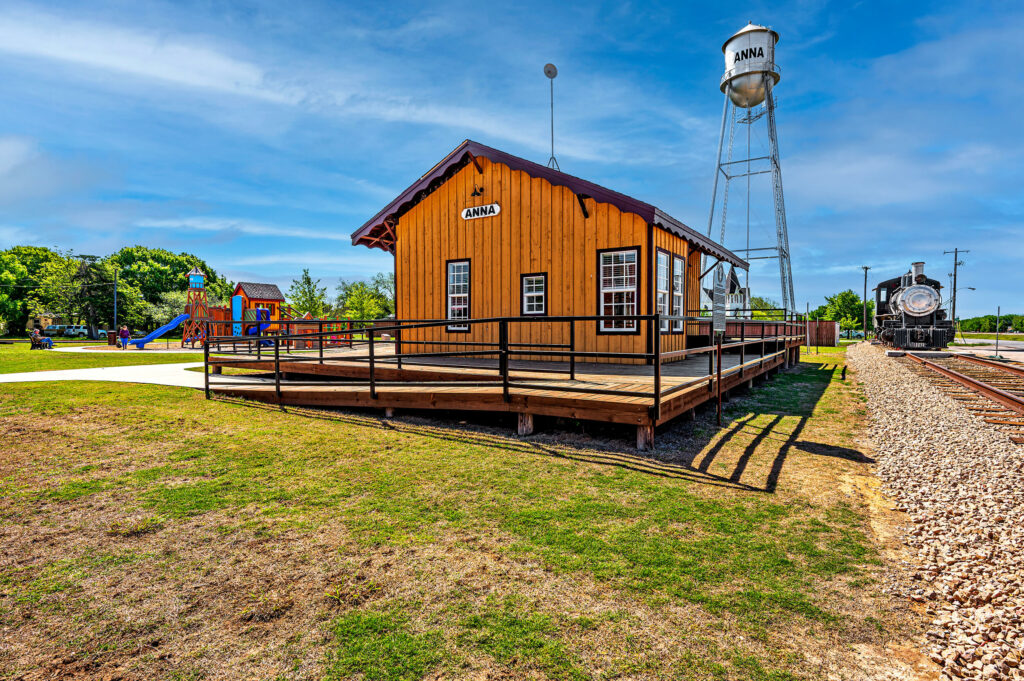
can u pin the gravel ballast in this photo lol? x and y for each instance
(960, 481)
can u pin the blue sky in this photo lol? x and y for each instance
(260, 135)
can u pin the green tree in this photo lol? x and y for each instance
(373, 300)
(13, 283)
(82, 288)
(848, 324)
(155, 271)
(34, 259)
(306, 295)
(360, 300)
(848, 304)
(764, 308)
(384, 284)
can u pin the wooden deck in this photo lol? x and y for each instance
(340, 380)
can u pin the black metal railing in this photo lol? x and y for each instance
(346, 340)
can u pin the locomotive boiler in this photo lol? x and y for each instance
(909, 313)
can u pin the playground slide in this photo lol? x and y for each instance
(174, 323)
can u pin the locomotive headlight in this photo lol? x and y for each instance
(919, 300)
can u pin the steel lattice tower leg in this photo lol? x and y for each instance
(722, 168)
(781, 229)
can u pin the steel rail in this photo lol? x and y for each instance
(1009, 368)
(1008, 400)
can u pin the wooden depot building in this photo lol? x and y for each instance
(488, 234)
(521, 289)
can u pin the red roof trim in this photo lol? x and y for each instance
(372, 233)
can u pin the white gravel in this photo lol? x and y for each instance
(961, 483)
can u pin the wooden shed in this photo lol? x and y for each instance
(488, 234)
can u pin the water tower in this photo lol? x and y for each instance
(748, 83)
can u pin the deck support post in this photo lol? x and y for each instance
(645, 437)
(206, 361)
(389, 412)
(691, 414)
(373, 382)
(525, 423)
(277, 368)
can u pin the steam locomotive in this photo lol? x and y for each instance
(909, 314)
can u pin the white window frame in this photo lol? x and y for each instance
(532, 297)
(612, 283)
(663, 282)
(459, 299)
(678, 291)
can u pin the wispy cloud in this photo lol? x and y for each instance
(369, 260)
(139, 53)
(27, 173)
(236, 226)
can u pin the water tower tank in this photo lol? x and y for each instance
(749, 57)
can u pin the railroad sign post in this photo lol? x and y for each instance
(718, 329)
(718, 301)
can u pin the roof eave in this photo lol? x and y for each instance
(703, 243)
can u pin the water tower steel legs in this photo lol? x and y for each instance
(781, 229)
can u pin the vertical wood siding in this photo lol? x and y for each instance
(540, 229)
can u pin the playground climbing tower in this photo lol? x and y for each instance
(198, 308)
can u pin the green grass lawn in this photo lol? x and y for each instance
(167, 536)
(17, 358)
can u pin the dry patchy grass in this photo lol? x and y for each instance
(170, 537)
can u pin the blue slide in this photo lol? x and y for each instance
(258, 328)
(174, 323)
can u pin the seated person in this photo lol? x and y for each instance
(41, 341)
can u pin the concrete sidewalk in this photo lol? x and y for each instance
(157, 374)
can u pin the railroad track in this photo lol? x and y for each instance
(993, 390)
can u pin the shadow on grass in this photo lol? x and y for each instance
(790, 394)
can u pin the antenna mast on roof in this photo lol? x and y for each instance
(550, 71)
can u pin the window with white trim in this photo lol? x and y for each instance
(458, 293)
(662, 297)
(535, 294)
(618, 289)
(678, 286)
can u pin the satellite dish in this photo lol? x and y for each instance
(550, 71)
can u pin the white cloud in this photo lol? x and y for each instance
(28, 174)
(371, 259)
(138, 53)
(214, 224)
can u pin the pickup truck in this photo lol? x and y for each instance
(82, 331)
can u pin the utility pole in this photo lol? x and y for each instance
(115, 302)
(956, 263)
(865, 268)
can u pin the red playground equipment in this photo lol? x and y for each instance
(198, 309)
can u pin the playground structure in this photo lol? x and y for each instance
(256, 312)
(197, 309)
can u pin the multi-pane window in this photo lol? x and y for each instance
(458, 293)
(618, 289)
(678, 284)
(534, 294)
(662, 287)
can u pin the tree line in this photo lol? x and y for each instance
(373, 299)
(845, 307)
(987, 323)
(80, 289)
(151, 286)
